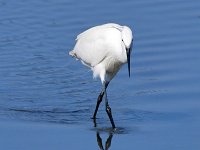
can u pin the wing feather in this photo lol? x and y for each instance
(92, 46)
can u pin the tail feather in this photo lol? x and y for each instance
(72, 53)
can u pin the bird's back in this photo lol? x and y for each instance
(95, 44)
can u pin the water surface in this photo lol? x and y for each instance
(41, 87)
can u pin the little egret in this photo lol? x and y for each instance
(104, 49)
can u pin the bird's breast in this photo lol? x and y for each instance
(112, 66)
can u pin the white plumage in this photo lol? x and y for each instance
(104, 49)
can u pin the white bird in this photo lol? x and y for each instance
(104, 49)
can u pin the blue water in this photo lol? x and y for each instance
(157, 108)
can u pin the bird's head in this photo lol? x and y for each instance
(127, 38)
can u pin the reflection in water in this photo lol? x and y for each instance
(110, 131)
(108, 141)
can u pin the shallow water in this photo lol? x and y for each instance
(157, 108)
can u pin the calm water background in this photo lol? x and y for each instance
(157, 108)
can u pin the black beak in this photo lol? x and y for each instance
(128, 53)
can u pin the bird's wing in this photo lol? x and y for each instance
(93, 45)
(108, 25)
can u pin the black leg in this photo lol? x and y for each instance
(108, 109)
(99, 100)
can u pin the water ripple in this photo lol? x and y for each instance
(40, 82)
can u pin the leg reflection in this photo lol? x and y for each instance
(108, 141)
(99, 141)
